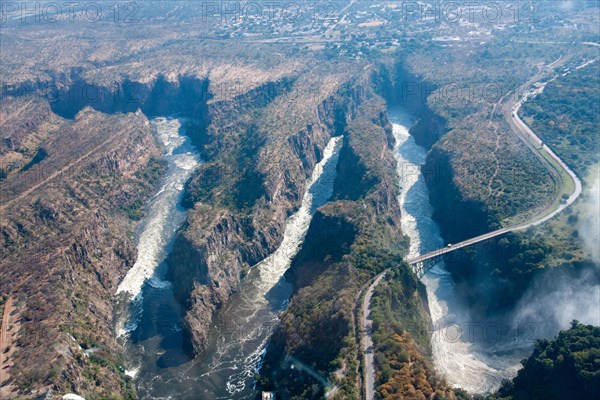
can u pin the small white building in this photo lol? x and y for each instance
(72, 396)
(268, 396)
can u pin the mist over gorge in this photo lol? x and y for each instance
(554, 300)
(349, 200)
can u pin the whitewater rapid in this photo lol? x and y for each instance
(240, 330)
(469, 354)
(163, 216)
(249, 316)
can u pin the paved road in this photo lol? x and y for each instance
(510, 109)
(367, 339)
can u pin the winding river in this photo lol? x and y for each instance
(473, 355)
(151, 327)
(150, 320)
(163, 217)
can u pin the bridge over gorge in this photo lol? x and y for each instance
(423, 263)
(566, 180)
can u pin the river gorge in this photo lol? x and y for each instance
(153, 327)
(335, 201)
(473, 355)
(151, 321)
(469, 354)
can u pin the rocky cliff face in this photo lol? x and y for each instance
(260, 146)
(208, 259)
(401, 87)
(110, 164)
(429, 128)
(478, 175)
(458, 216)
(229, 229)
(350, 239)
(67, 242)
(185, 96)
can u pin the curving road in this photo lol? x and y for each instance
(560, 169)
(556, 167)
(367, 340)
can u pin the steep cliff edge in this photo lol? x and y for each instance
(458, 217)
(184, 96)
(261, 155)
(350, 240)
(459, 209)
(399, 86)
(110, 163)
(481, 177)
(66, 234)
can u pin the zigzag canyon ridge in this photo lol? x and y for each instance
(346, 199)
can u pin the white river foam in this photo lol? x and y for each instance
(270, 271)
(240, 330)
(457, 354)
(163, 214)
(272, 268)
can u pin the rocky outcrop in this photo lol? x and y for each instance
(350, 239)
(208, 259)
(230, 229)
(67, 244)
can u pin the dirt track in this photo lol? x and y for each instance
(4, 342)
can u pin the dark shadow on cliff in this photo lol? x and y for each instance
(162, 320)
(321, 191)
(187, 97)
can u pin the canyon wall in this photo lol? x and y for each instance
(243, 195)
(76, 122)
(350, 239)
(66, 231)
(459, 218)
(468, 199)
(260, 146)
